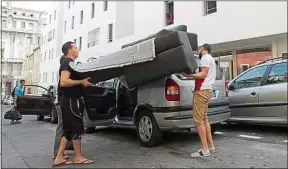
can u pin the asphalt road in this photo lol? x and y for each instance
(30, 145)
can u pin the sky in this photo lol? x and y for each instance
(36, 5)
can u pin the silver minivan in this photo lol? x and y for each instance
(165, 104)
(259, 95)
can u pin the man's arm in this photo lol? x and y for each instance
(65, 80)
(200, 75)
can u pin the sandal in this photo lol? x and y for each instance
(85, 162)
(66, 162)
(65, 157)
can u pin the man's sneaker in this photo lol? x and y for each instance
(201, 153)
(212, 150)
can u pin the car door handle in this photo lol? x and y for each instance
(253, 93)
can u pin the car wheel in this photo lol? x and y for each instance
(90, 130)
(215, 127)
(148, 131)
(54, 116)
(40, 117)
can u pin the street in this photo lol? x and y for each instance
(30, 145)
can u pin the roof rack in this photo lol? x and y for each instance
(273, 59)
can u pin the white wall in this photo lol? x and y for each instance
(233, 20)
(279, 46)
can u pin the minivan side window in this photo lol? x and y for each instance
(278, 74)
(252, 78)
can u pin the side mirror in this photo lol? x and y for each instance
(231, 87)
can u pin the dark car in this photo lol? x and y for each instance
(39, 101)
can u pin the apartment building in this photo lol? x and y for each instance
(236, 30)
(20, 33)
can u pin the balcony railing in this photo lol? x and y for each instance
(169, 18)
(93, 43)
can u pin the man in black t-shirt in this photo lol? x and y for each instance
(72, 106)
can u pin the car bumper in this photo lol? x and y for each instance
(173, 121)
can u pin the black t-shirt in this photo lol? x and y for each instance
(74, 91)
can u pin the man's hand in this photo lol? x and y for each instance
(86, 83)
(187, 75)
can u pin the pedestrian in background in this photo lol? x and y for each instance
(204, 81)
(72, 106)
(19, 91)
(59, 129)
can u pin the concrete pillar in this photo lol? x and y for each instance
(234, 57)
(279, 46)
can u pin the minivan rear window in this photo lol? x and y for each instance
(219, 75)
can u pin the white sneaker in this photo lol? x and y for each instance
(212, 150)
(200, 153)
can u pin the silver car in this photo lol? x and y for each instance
(165, 104)
(259, 95)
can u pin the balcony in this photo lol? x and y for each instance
(169, 18)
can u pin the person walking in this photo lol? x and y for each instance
(204, 81)
(59, 129)
(19, 91)
(72, 106)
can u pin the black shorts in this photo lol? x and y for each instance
(72, 115)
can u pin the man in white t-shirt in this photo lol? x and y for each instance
(204, 81)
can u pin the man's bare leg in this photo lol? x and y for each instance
(60, 158)
(78, 158)
(209, 136)
(202, 134)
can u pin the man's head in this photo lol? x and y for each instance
(69, 49)
(22, 82)
(205, 49)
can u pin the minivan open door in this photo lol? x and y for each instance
(100, 102)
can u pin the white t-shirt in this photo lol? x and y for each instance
(208, 61)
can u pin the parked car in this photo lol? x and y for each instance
(165, 104)
(38, 100)
(259, 95)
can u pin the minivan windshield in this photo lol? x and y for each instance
(218, 72)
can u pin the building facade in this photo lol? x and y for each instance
(241, 33)
(20, 30)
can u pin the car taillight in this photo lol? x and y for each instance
(172, 91)
(226, 88)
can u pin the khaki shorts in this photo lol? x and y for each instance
(200, 106)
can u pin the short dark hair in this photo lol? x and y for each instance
(22, 80)
(207, 47)
(66, 47)
(62, 59)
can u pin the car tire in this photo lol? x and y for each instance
(90, 130)
(215, 127)
(40, 117)
(54, 116)
(145, 120)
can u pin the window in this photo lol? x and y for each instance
(92, 10)
(13, 38)
(81, 17)
(72, 22)
(23, 14)
(45, 55)
(23, 25)
(252, 78)
(105, 5)
(110, 33)
(65, 24)
(278, 74)
(4, 22)
(80, 43)
(30, 40)
(69, 4)
(49, 36)
(31, 26)
(52, 53)
(2, 52)
(14, 24)
(93, 37)
(244, 67)
(49, 56)
(54, 14)
(50, 18)
(169, 12)
(53, 34)
(38, 40)
(53, 77)
(210, 7)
